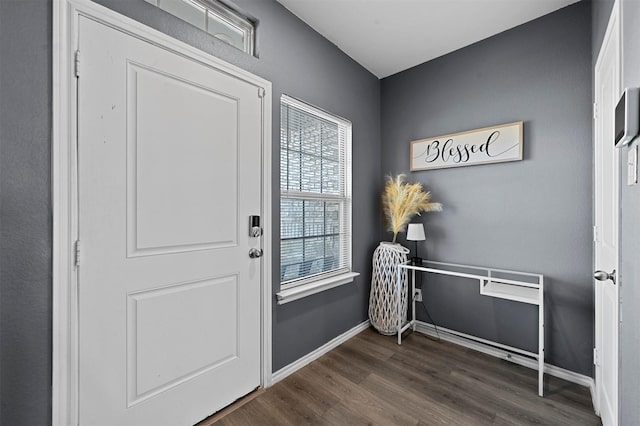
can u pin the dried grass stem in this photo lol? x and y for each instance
(402, 200)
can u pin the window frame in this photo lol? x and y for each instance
(225, 14)
(228, 14)
(323, 280)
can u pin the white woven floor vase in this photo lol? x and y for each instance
(383, 300)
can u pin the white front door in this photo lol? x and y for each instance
(607, 92)
(169, 170)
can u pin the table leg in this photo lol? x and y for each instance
(413, 299)
(541, 339)
(399, 303)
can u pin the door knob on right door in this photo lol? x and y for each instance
(603, 276)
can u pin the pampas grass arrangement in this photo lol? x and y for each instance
(402, 200)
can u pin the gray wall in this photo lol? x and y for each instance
(533, 215)
(630, 235)
(25, 212)
(298, 62)
(601, 10)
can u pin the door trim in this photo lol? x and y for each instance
(66, 14)
(614, 28)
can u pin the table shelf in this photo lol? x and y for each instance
(509, 291)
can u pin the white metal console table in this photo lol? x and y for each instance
(511, 285)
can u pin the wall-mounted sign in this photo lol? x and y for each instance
(495, 144)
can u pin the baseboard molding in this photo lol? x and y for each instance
(312, 356)
(445, 334)
(570, 376)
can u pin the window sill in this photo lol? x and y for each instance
(295, 293)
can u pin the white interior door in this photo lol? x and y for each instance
(169, 170)
(607, 80)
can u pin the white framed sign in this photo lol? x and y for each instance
(495, 144)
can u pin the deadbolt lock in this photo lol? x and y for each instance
(255, 230)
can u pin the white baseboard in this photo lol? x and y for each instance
(312, 356)
(570, 376)
(445, 334)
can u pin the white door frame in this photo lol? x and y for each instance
(614, 28)
(64, 190)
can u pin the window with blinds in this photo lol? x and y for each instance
(315, 200)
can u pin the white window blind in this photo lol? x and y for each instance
(315, 200)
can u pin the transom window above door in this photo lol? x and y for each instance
(315, 200)
(214, 17)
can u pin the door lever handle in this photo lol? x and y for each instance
(255, 253)
(604, 276)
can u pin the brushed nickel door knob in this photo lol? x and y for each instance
(604, 276)
(255, 253)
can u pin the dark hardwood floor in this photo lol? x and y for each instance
(372, 380)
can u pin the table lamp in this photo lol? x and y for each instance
(415, 232)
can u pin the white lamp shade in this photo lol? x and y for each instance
(415, 232)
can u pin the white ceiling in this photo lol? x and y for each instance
(389, 36)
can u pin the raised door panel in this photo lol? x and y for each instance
(182, 164)
(179, 332)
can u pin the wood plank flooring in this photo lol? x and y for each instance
(370, 380)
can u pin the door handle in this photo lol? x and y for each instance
(255, 253)
(604, 276)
